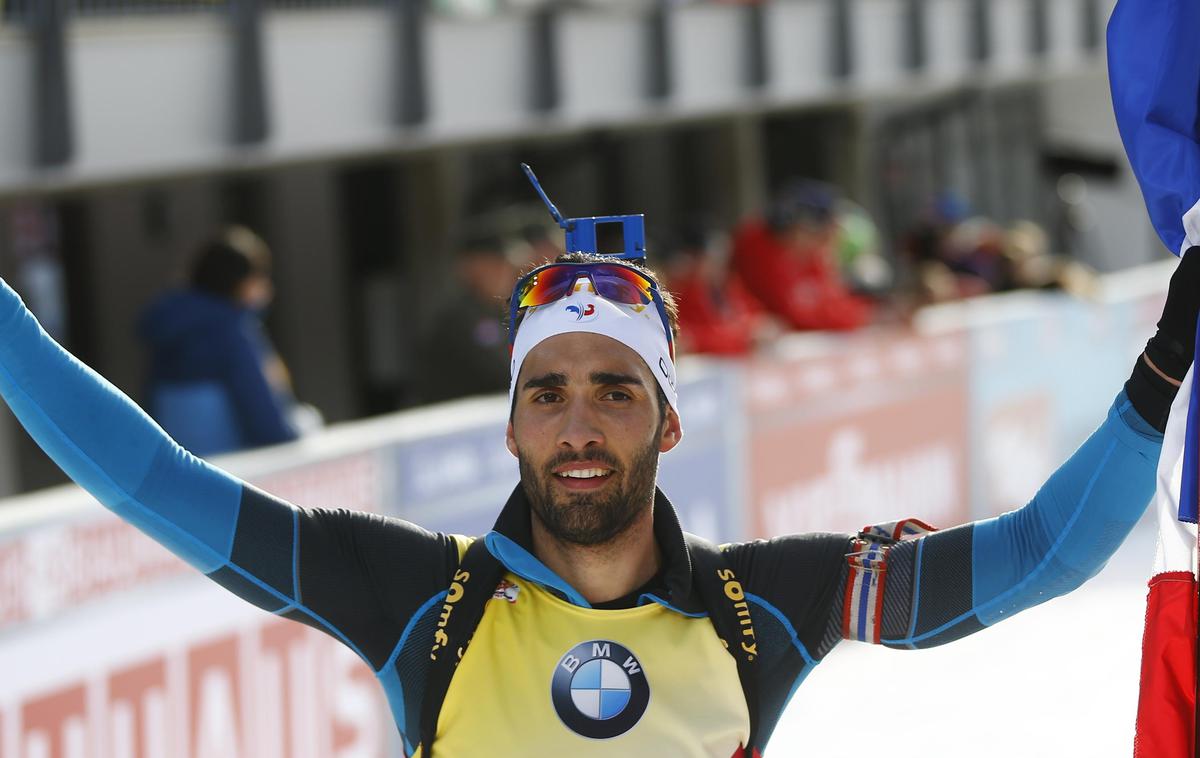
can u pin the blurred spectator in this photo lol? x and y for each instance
(924, 241)
(957, 255)
(786, 261)
(716, 314)
(859, 258)
(465, 350)
(216, 384)
(974, 252)
(1027, 248)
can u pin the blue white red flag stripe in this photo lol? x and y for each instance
(862, 608)
(1166, 717)
(1154, 72)
(1190, 475)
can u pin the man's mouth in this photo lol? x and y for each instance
(583, 475)
(586, 473)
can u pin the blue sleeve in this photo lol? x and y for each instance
(241, 538)
(260, 410)
(960, 580)
(110, 447)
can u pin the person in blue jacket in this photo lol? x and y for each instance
(216, 383)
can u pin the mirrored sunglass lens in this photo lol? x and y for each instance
(523, 290)
(545, 287)
(615, 283)
(621, 285)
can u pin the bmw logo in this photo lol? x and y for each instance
(599, 689)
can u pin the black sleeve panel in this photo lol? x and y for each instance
(261, 561)
(357, 576)
(928, 597)
(798, 576)
(367, 574)
(899, 589)
(263, 543)
(946, 579)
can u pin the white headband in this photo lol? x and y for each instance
(639, 327)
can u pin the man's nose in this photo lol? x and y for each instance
(579, 428)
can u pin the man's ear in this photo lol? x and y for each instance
(510, 440)
(672, 431)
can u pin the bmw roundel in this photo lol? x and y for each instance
(599, 689)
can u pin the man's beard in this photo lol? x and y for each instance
(590, 519)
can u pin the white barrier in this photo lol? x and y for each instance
(111, 648)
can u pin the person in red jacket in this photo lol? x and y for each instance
(785, 260)
(716, 314)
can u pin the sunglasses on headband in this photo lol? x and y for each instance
(554, 281)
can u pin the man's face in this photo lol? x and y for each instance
(587, 431)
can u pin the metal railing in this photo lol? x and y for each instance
(302, 5)
(22, 10)
(26, 10)
(132, 7)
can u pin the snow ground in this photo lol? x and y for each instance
(1058, 680)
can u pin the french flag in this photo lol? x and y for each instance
(1154, 72)
(1166, 716)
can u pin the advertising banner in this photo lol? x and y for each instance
(110, 647)
(59, 565)
(455, 483)
(1017, 419)
(187, 671)
(1044, 369)
(702, 475)
(1017, 451)
(868, 433)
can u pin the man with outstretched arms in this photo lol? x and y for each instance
(595, 625)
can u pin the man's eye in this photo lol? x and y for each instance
(620, 395)
(546, 397)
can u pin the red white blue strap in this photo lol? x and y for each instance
(862, 608)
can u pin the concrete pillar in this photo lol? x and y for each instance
(659, 84)
(544, 90)
(842, 36)
(748, 170)
(755, 67)
(1039, 28)
(310, 318)
(981, 31)
(915, 13)
(412, 97)
(251, 120)
(54, 143)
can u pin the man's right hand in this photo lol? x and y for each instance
(1169, 353)
(1172, 348)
